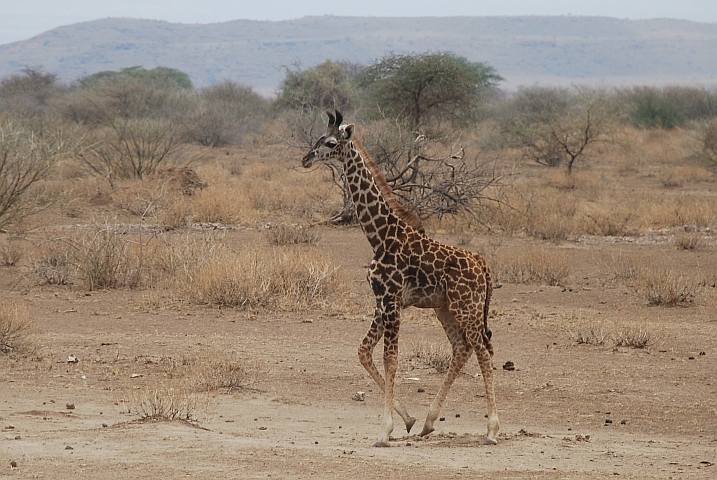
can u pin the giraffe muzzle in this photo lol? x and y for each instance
(308, 160)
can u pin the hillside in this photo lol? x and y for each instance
(524, 50)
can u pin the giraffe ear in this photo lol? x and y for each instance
(348, 131)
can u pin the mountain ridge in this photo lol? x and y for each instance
(524, 50)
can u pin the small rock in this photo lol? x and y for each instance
(421, 390)
(68, 447)
(359, 396)
(442, 419)
(510, 366)
(18, 437)
(72, 359)
(13, 464)
(690, 358)
(262, 428)
(458, 415)
(608, 421)
(104, 425)
(702, 353)
(70, 406)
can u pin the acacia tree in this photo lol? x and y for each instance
(557, 127)
(323, 87)
(427, 88)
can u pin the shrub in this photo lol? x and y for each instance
(438, 357)
(27, 156)
(652, 109)
(132, 148)
(253, 278)
(666, 288)
(532, 266)
(291, 235)
(224, 114)
(16, 329)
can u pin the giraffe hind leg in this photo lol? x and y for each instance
(365, 354)
(486, 368)
(461, 352)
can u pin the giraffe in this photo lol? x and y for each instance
(411, 269)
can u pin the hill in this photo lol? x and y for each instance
(524, 50)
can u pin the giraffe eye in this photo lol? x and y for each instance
(331, 144)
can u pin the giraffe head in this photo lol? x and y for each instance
(332, 144)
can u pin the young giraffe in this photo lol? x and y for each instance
(411, 269)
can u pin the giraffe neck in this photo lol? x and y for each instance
(373, 209)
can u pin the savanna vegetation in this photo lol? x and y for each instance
(127, 197)
(551, 163)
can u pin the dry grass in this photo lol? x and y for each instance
(532, 265)
(261, 278)
(656, 283)
(183, 394)
(283, 234)
(10, 254)
(585, 330)
(434, 356)
(689, 240)
(17, 330)
(667, 288)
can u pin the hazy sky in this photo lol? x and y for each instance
(22, 19)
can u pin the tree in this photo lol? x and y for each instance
(223, 113)
(557, 127)
(426, 88)
(28, 94)
(158, 77)
(323, 87)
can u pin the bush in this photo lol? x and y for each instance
(27, 155)
(652, 109)
(29, 94)
(224, 114)
(260, 278)
(323, 87)
(132, 148)
(16, 329)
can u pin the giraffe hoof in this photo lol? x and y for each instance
(381, 443)
(409, 424)
(490, 441)
(426, 431)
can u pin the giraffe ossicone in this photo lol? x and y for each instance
(411, 269)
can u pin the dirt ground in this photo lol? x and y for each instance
(566, 411)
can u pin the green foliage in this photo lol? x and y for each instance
(325, 87)
(427, 87)
(159, 77)
(651, 109)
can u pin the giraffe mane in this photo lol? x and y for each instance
(396, 207)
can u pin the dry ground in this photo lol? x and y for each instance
(568, 410)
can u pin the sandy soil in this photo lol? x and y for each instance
(567, 410)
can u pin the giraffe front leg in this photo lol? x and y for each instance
(390, 363)
(365, 354)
